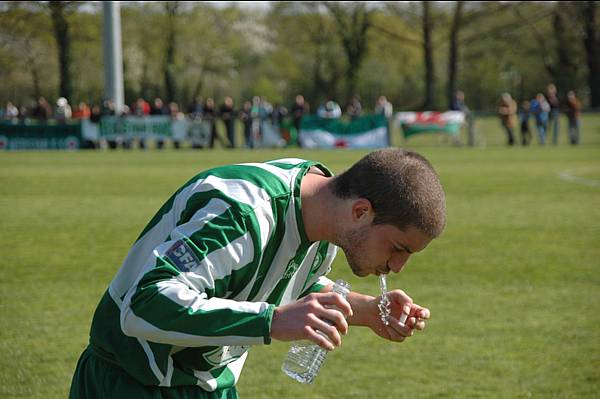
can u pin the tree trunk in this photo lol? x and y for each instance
(169, 66)
(63, 42)
(35, 77)
(453, 55)
(565, 70)
(591, 43)
(429, 102)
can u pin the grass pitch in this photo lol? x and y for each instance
(513, 283)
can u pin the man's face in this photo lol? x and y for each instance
(379, 249)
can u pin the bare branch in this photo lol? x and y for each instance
(398, 36)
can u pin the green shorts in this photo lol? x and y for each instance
(95, 378)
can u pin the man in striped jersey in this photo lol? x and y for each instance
(238, 257)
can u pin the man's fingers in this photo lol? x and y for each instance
(423, 313)
(319, 339)
(332, 299)
(398, 331)
(419, 325)
(327, 331)
(400, 297)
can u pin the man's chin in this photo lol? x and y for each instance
(359, 272)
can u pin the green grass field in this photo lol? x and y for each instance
(513, 284)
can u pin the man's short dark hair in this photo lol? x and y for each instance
(401, 185)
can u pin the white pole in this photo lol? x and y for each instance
(113, 54)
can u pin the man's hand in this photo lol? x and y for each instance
(367, 314)
(313, 318)
(415, 316)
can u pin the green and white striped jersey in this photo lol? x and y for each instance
(200, 284)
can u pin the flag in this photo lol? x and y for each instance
(413, 123)
(370, 131)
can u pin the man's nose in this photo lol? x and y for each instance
(397, 262)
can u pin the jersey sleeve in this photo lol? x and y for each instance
(184, 297)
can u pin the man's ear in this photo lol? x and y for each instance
(362, 210)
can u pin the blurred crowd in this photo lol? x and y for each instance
(251, 114)
(545, 110)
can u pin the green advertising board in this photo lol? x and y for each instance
(39, 137)
(132, 126)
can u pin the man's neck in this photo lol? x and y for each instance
(318, 206)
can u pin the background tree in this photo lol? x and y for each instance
(453, 53)
(353, 21)
(189, 50)
(588, 11)
(427, 18)
(59, 11)
(308, 50)
(171, 10)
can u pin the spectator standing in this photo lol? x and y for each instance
(245, 116)
(298, 110)
(157, 108)
(384, 107)
(108, 107)
(82, 111)
(195, 108)
(11, 112)
(140, 108)
(554, 114)
(540, 109)
(42, 111)
(96, 114)
(227, 114)
(279, 112)
(257, 113)
(574, 116)
(354, 108)
(524, 122)
(458, 104)
(176, 115)
(208, 115)
(63, 110)
(507, 110)
(24, 114)
(331, 110)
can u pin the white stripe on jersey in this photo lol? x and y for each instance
(281, 174)
(247, 193)
(214, 208)
(144, 330)
(169, 375)
(206, 380)
(151, 360)
(190, 299)
(296, 283)
(290, 161)
(289, 243)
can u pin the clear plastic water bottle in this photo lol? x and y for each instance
(305, 358)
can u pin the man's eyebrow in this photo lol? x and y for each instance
(404, 247)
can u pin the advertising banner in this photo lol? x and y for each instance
(413, 123)
(39, 137)
(370, 131)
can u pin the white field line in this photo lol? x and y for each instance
(567, 175)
